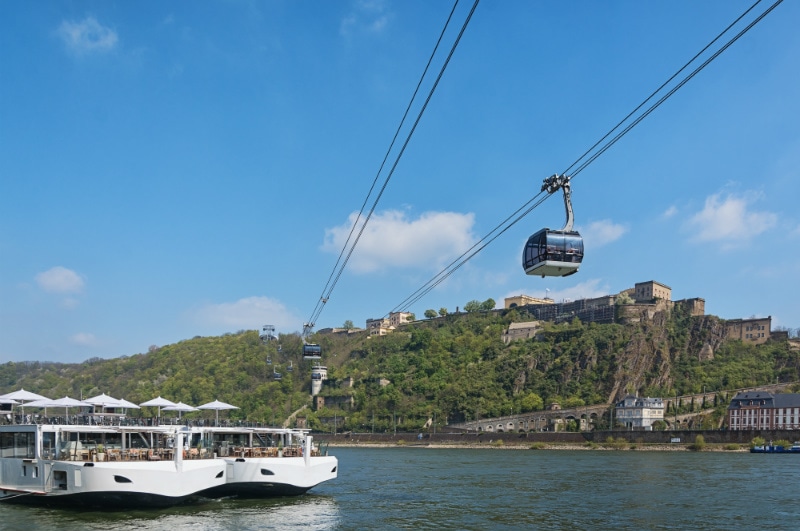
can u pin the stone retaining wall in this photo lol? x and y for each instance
(463, 438)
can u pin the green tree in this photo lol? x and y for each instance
(472, 306)
(659, 425)
(624, 298)
(430, 314)
(348, 325)
(531, 402)
(442, 311)
(488, 305)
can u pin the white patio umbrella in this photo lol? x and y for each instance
(23, 396)
(159, 403)
(217, 405)
(68, 402)
(127, 404)
(180, 407)
(43, 403)
(103, 401)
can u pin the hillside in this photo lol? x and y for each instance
(454, 368)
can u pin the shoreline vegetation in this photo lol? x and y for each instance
(500, 444)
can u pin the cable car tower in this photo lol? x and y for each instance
(311, 351)
(267, 334)
(555, 253)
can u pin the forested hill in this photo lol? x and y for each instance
(454, 367)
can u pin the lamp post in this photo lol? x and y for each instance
(675, 407)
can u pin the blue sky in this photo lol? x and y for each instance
(172, 169)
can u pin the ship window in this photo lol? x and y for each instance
(265, 472)
(122, 479)
(17, 444)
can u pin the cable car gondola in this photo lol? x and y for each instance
(312, 351)
(554, 253)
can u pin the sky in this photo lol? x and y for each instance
(171, 169)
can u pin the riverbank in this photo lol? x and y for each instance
(601, 441)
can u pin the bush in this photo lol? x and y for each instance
(758, 441)
(538, 446)
(699, 444)
(615, 444)
(732, 447)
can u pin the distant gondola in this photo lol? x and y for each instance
(554, 253)
(312, 351)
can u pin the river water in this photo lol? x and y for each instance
(427, 488)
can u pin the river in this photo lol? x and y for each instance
(427, 488)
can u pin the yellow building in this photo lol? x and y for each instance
(524, 300)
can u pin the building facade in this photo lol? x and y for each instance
(639, 413)
(383, 326)
(761, 410)
(398, 318)
(523, 300)
(378, 327)
(755, 331)
(523, 331)
(695, 307)
(647, 291)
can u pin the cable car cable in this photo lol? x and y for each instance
(652, 95)
(435, 281)
(383, 163)
(455, 265)
(447, 271)
(679, 85)
(324, 299)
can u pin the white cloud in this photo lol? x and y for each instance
(390, 240)
(730, 220)
(603, 232)
(245, 314)
(83, 339)
(588, 289)
(60, 280)
(671, 211)
(370, 16)
(87, 36)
